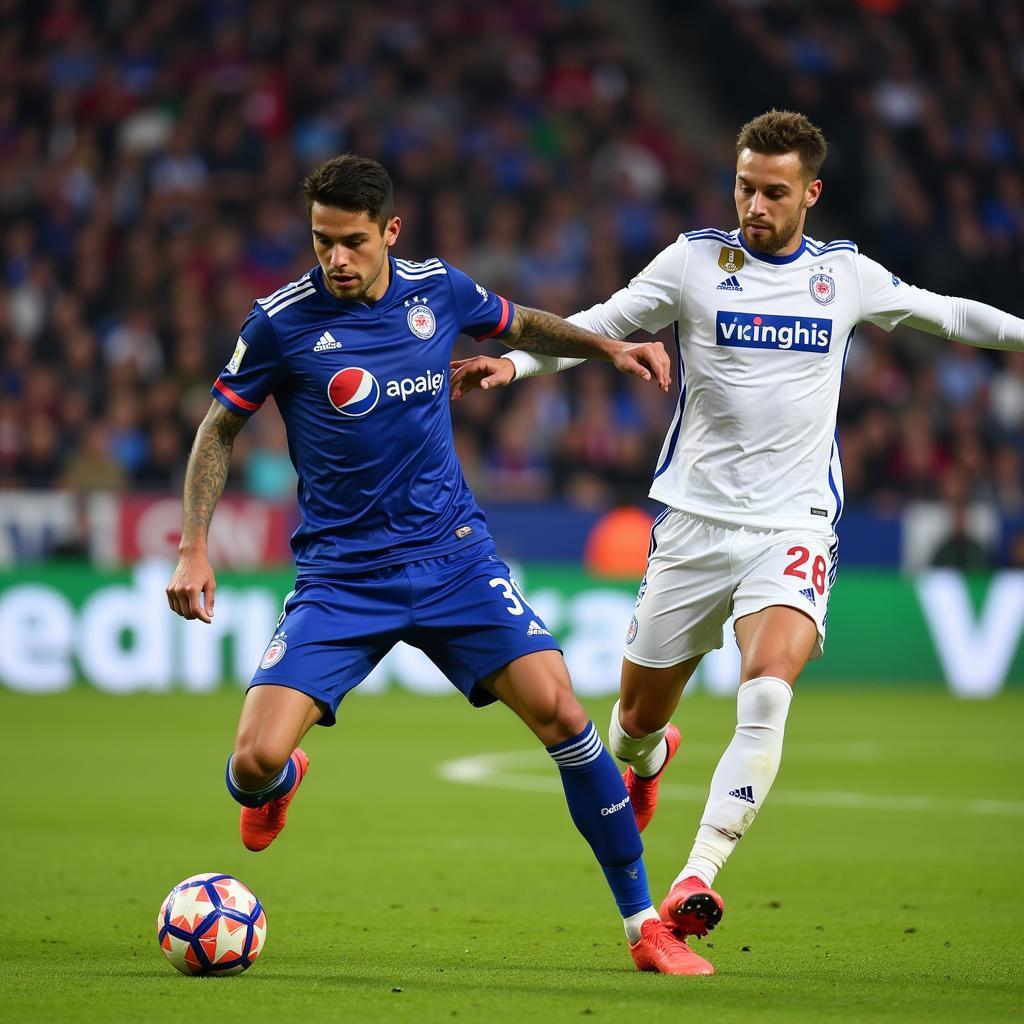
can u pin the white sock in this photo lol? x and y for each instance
(744, 775)
(632, 924)
(645, 753)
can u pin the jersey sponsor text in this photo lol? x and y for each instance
(761, 330)
(407, 386)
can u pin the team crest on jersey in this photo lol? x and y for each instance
(632, 631)
(731, 260)
(237, 356)
(353, 391)
(823, 289)
(422, 322)
(275, 651)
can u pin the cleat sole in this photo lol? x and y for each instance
(704, 908)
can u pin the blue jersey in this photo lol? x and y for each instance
(363, 391)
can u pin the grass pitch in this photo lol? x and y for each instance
(881, 883)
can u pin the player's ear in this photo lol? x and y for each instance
(391, 230)
(813, 192)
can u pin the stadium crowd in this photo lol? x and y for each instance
(149, 164)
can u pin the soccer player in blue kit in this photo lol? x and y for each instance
(391, 545)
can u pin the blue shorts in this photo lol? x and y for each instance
(464, 611)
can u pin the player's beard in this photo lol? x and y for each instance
(358, 289)
(777, 238)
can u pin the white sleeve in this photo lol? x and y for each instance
(649, 302)
(888, 301)
(967, 321)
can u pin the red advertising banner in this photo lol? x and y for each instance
(245, 533)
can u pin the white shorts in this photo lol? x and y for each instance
(701, 571)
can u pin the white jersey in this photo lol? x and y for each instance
(762, 342)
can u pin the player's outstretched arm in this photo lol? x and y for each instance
(191, 590)
(533, 330)
(887, 301)
(967, 321)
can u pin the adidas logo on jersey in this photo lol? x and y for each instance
(327, 343)
(730, 284)
(743, 793)
(536, 629)
(809, 594)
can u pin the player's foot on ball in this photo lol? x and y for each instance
(659, 949)
(692, 908)
(643, 792)
(260, 826)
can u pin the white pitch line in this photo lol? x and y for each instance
(505, 771)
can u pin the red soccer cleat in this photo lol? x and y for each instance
(659, 949)
(643, 792)
(260, 826)
(692, 908)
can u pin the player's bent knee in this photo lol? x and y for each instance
(571, 719)
(778, 668)
(637, 723)
(253, 765)
(557, 716)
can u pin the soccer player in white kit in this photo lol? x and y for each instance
(749, 472)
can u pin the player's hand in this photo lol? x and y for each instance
(193, 579)
(645, 360)
(484, 372)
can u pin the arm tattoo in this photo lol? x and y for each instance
(533, 330)
(207, 470)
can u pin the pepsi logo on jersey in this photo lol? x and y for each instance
(761, 330)
(354, 391)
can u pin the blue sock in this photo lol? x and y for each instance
(599, 806)
(277, 786)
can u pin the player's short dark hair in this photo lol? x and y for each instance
(785, 131)
(354, 183)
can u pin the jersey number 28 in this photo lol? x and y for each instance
(818, 569)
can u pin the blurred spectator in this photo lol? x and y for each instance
(269, 472)
(961, 549)
(91, 466)
(163, 467)
(149, 170)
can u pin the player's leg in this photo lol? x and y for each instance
(682, 603)
(267, 765)
(477, 626)
(325, 643)
(775, 645)
(640, 733)
(780, 626)
(537, 688)
(273, 721)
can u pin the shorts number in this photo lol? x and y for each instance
(511, 591)
(818, 575)
(817, 569)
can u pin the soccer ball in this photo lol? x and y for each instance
(211, 924)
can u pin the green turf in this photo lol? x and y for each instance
(398, 896)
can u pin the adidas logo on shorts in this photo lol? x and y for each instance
(809, 594)
(536, 629)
